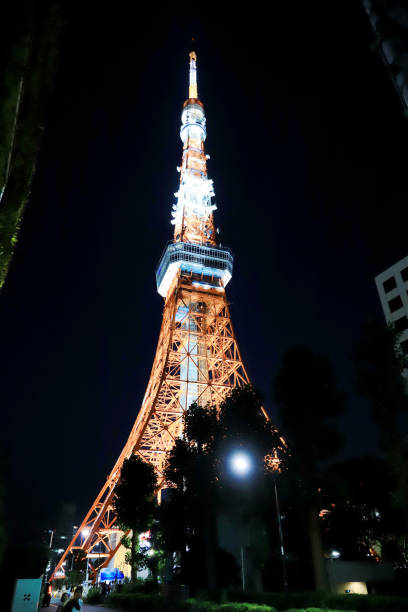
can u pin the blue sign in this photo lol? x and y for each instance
(26, 595)
(114, 574)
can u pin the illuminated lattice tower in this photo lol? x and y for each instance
(197, 357)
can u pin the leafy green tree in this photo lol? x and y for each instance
(75, 565)
(188, 514)
(134, 503)
(203, 486)
(28, 59)
(380, 377)
(358, 519)
(308, 399)
(74, 577)
(3, 534)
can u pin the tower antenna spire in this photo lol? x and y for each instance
(197, 358)
(192, 91)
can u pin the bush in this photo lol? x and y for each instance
(94, 596)
(265, 602)
(141, 586)
(310, 610)
(324, 601)
(198, 605)
(136, 602)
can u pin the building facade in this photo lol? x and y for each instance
(392, 287)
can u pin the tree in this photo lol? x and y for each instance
(203, 487)
(187, 516)
(75, 565)
(358, 520)
(380, 377)
(134, 502)
(307, 398)
(3, 534)
(28, 61)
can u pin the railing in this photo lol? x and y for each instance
(208, 259)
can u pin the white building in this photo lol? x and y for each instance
(392, 287)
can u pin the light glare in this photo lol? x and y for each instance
(241, 464)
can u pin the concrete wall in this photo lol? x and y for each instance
(352, 576)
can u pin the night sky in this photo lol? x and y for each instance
(308, 156)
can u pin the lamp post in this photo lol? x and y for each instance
(85, 533)
(241, 466)
(282, 548)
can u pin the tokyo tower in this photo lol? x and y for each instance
(197, 357)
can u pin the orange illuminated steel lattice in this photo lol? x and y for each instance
(196, 335)
(197, 357)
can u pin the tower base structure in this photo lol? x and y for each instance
(197, 360)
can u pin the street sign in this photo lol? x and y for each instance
(26, 595)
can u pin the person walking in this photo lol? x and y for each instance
(64, 598)
(75, 602)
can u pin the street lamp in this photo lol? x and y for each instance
(282, 548)
(241, 465)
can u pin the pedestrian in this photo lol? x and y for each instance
(75, 603)
(64, 598)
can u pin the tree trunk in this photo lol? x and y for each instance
(319, 568)
(210, 544)
(133, 551)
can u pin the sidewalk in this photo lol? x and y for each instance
(85, 608)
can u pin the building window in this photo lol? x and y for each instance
(401, 324)
(389, 284)
(404, 274)
(404, 346)
(395, 303)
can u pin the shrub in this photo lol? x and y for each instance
(94, 596)
(310, 610)
(244, 607)
(137, 602)
(198, 605)
(265, 602)
(324, 601)
(140, 586)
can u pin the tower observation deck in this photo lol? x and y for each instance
(197, 357)
(194, 250)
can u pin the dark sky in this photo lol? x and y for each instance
(308, 155)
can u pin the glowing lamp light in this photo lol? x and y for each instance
(85, 532)
(240, 463)
(335, 554)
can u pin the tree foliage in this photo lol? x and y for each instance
(202, 485)
(381, 377)
(28, 58)
(134, 502)
(357, 520)
(308, 401)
